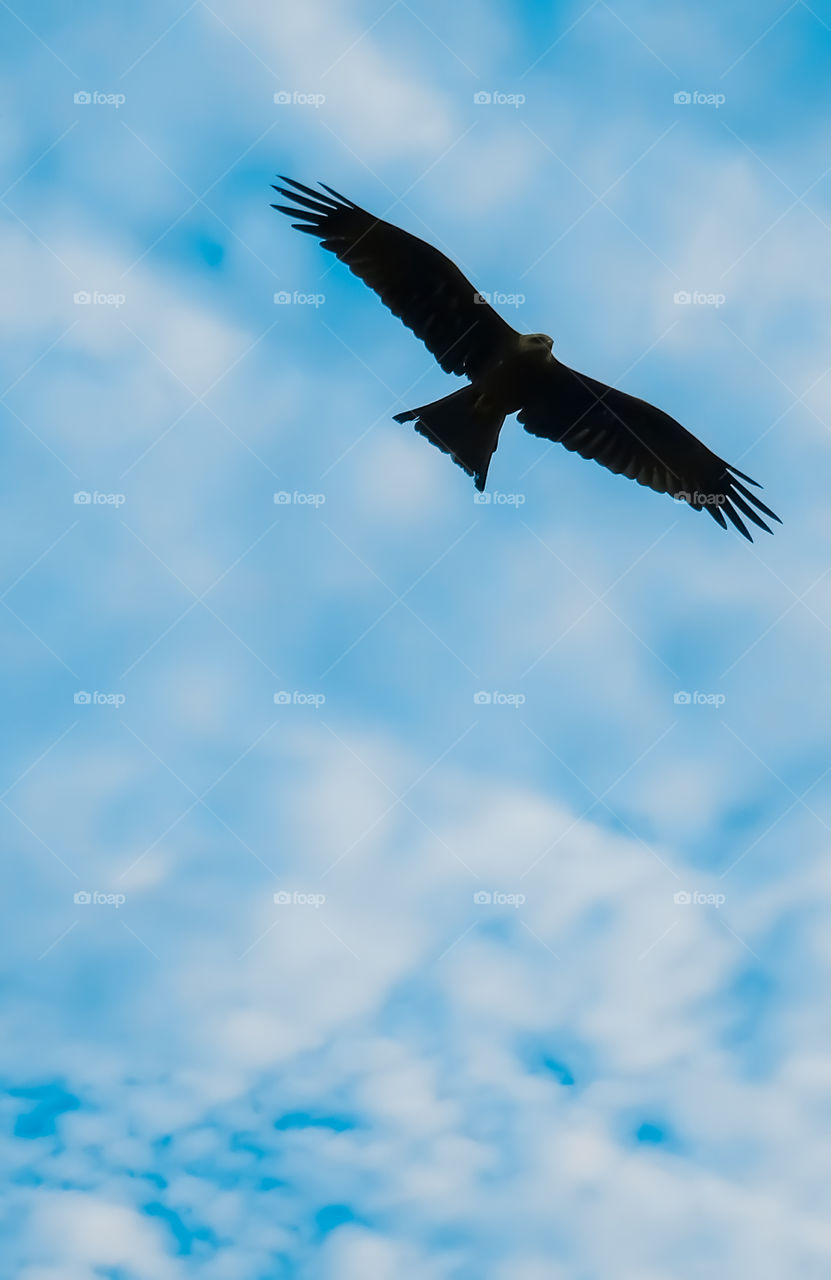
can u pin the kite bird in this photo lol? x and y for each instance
(512, 372)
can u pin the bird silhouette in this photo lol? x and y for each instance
(511, 372)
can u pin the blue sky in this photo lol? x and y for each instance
(542, 992)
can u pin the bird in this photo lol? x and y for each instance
(510, 372)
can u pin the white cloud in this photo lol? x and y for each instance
(375, 99)
(88, 1232)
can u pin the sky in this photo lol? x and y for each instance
(400, 885)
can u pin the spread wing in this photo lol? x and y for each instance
(418, 283)
(634, 439)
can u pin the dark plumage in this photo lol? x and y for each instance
(511, 372)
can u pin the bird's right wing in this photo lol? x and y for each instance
(418, 283)
(633, 438)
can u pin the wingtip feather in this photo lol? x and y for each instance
(338, 195)
(309, 191)
(749, 479)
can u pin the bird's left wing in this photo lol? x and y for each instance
(418, 283)
(635, 439)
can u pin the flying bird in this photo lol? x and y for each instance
(511, 372)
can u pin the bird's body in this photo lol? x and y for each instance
(506, 383)
(510, 372)
(467, 423)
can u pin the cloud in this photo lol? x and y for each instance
(375, 100)
(86, 1233)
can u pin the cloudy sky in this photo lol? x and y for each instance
(539, 784)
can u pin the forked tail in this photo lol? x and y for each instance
(462, 425)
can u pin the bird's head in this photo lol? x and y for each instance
(539, 344)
